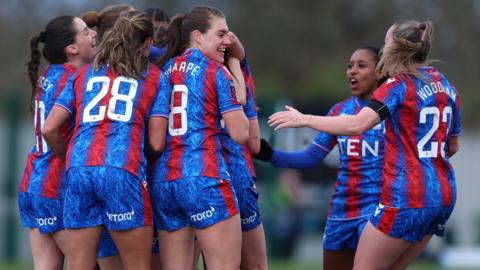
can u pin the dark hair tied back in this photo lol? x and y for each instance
(42, 37)
(58, 34)
(183, 25)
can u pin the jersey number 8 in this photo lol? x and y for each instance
(177, 119)
(88, 116)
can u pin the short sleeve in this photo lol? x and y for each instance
(66, 99)
(161, 103)
(249, 107)
(227, 99)
(390, 94)
(456, 125)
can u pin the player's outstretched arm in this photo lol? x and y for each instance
(305, 159)
(348, 125)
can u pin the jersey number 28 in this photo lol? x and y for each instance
(88, 116)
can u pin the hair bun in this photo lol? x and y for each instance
(42, 37)
(422, 26)
(90, 18)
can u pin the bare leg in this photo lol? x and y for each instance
(110, 263)
(176, 249)
(135, 247)
(377, 250)
(339, 259)
(254, 250)
(196, 254)
(60, 238)
(410, 254)
(46, 253)
(81, 248)
(156, 263)
(221, 244)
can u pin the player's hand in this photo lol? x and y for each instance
(289, 118)
(235, 49)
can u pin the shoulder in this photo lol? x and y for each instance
(339, 106)
(223, 70)
(398, 81)
(154, 70)
(86, 68)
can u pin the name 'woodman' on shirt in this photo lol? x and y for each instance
(184, 67)
(435, 88)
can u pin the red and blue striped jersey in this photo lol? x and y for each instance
(110, 116)
(202, 91)
(233, 152)
(424, 114)
(358, 185)
(45, 173)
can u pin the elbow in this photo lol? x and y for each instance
(241, 137)
(253, 145)
(254, 149)
(157, 146)
(452, 150)
(357, 127)
(355, 130)
(242, 100)
(453, 146)
(48, 132)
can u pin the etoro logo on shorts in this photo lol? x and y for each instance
(203, 215)
(121, 217)
(46, 221)
(249, 219)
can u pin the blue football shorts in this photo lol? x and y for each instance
(40, 212)
(411, 224)
(197, 202)
(345, 233)
(106, 195)
(247, 196)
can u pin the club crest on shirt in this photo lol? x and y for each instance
(390, 80)
(379, 209)
(233, 93)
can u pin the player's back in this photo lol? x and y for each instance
(45, 173)
(202, 90)
(417, 169)
(110, 118)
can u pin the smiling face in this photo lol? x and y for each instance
(361, 73)
(215, 41)
(84, 40)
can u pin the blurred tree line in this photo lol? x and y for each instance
(297, 49)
